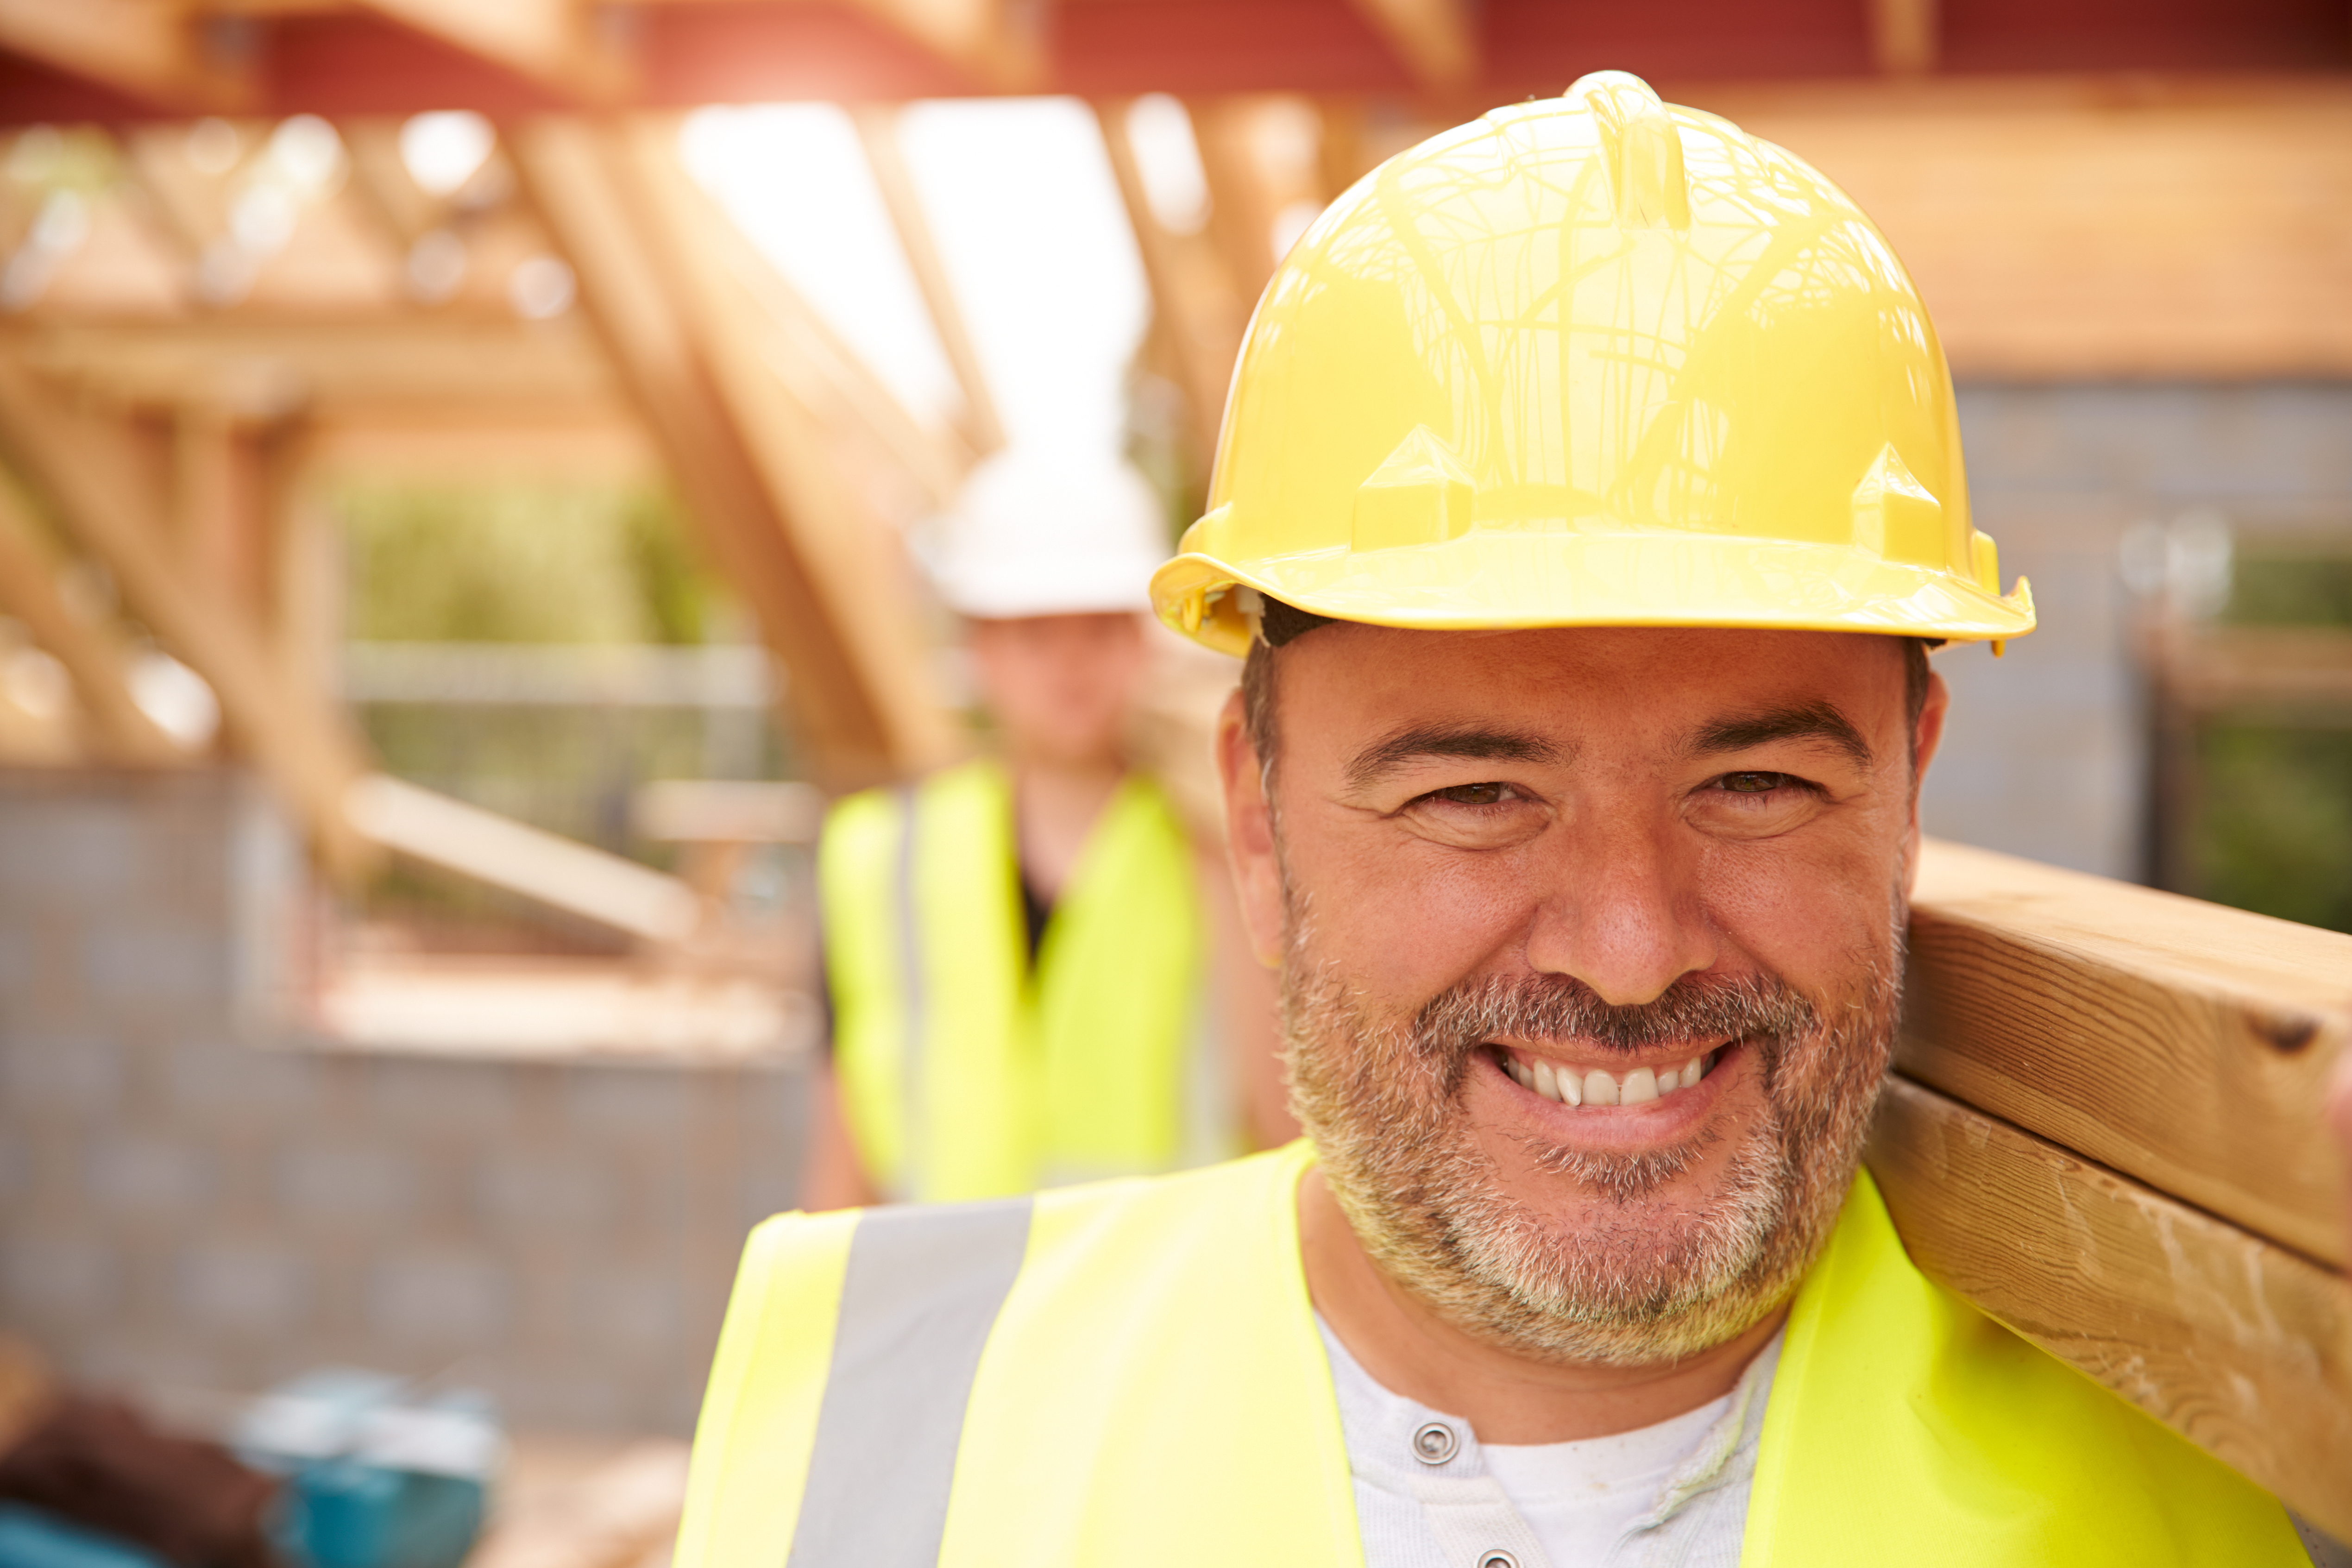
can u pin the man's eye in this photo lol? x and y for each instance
(1474, 795)
(1753, 783)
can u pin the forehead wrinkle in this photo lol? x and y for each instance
(1798, 721)
(1463, 740)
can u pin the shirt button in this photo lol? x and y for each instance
(1435, 1444)
(1498, 1558)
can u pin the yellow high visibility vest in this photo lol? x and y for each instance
(1131, 1374)
(964, 1074)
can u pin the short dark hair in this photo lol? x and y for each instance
(1280, 624)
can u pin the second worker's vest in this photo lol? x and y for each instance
(967, 1072)
(1129, 1375)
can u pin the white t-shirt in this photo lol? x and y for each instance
(1429, 1495)
(1581, 1497)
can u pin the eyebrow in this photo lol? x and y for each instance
(1386, 755)
(1805, 722)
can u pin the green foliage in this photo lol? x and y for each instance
(585, 564)
(2291, 591)
(2275, 832)
(2273, 828)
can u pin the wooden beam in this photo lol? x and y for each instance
(442, 360)
(2066, 229)
(555, 42)
(150, 49)
(123, 733)
(742, 452)
(1435, 39)
(2212, 669)
(824, 374)
(878, 132)
(88, 473)
(603, 446)
(2241, 1346)
(857, 562)
(215, 507)
(1241, 202)
(2183, 1044)
(483, 846)
(1904, 35)
(1195, 306)
(997, 42)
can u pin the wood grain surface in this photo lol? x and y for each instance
(2179, 1042)
(2241, 1346)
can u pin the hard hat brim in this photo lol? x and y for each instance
(1492, 581)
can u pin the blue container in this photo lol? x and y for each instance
(347, 1514)
(31, 1538)
(374, 1476)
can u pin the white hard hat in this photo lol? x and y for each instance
(1050, 533)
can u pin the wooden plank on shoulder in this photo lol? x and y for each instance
(2241, 1346)
(2182, 1043)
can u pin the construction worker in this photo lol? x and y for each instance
(1590, 496)
(1018, 949)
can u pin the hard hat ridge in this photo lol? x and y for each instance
(1593, 359)
(1643, 152)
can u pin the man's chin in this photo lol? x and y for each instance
(1625, 1258)
(1594, 1232)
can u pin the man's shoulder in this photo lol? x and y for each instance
(1905, 1414)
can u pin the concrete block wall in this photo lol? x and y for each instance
(191, 1198)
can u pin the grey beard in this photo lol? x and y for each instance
(1646, 1284)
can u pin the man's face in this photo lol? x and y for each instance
(1522, 884)
(1060, 686)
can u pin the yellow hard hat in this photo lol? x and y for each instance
(1592, 360)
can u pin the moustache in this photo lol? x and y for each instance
(1560, 1008)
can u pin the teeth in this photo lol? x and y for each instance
(1564, 1085)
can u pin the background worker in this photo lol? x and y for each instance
(1590, 498)
(1020, 950)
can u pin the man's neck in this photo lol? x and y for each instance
(1506, 1397)
(1056, 804)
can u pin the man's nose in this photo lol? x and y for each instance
(1622, 911)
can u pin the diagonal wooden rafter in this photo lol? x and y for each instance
(746, 457)
(87, 471)
(555, 42)
(1435, 38)
(824, 373)
(877, 130)
(145, 48)
(1197, 312)
(28, 590)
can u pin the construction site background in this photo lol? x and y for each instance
(433, 615)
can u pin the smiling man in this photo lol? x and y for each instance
(1590, 498)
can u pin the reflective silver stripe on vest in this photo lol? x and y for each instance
(913, 1128)
(922, 1292)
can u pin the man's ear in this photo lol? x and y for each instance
(1249, 834)
(1926, 736)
